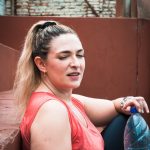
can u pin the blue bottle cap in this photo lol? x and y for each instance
(133, 110)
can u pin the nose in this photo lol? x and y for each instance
(75, 62)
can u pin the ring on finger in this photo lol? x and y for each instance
(124, 100)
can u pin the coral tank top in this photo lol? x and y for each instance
(83, 138)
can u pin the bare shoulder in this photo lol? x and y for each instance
(50, 112)
(52, 107)
(50, 125)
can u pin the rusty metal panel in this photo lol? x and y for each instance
(8, 61)
(111, 46)
(9, 123)
(144, 61)
(111, 51)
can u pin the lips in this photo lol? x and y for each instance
(73, 74)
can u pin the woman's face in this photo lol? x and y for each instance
(65, 62)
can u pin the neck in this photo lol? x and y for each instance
(62, 94)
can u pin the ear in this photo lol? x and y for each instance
(41, 65)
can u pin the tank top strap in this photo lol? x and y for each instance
(78, 104)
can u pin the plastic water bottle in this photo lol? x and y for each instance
(137, 134)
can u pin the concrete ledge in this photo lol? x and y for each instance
(9, 123)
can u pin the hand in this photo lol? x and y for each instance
(138, 102)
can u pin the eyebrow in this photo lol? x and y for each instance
(67, 51)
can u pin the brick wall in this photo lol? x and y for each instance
(75, 8)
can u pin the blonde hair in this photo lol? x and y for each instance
(37, 43)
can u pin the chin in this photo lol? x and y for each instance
(74, 86)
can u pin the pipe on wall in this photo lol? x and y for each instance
(127, 8)
(2, 6)
(12, 7)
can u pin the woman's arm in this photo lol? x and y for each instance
(102, 111)
(51, 128)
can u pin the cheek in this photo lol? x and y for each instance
(56, 68)
(83, 65)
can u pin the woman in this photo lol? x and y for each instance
(52, 65)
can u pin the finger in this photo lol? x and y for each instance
(140, 100)
(132, 101)
(127, 109)
(143, 104)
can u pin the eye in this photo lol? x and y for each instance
(80, 56)
(63, 57)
